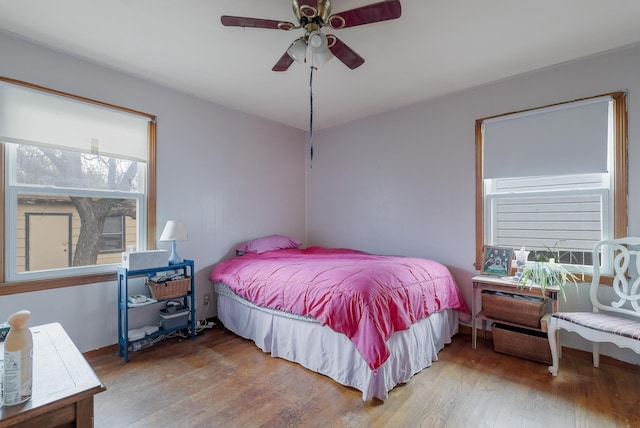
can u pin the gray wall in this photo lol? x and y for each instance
(227, 175)
(403, 182)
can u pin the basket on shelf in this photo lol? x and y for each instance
(513, 308)
(169, 289)
(532, 345)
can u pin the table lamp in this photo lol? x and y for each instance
(174, 231)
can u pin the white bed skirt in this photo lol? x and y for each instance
(322, 350)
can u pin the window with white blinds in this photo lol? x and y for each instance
(548, 178)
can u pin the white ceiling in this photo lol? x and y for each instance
(436, 47)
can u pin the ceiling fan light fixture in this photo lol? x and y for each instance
(322, 57)
(312, 19)
(317, 41)
(298, 50)
(319, 47)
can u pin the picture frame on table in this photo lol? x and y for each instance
(496, 260)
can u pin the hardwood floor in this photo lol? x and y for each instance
(221, 380)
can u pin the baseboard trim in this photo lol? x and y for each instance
(578, 353)
(110, 349)
(462, 329)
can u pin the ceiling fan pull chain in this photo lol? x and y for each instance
(311, 117)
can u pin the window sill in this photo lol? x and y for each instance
(7, 288)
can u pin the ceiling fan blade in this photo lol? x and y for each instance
(241, 21)
(344, 53)
(283, 63)
(376, 12)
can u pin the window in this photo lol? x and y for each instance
(553, 178)
(78, 180)
(113, 237)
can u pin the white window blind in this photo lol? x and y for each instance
(567, 139)
(47, 120)
(541, 212)
(540, 221)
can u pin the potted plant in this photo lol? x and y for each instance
(545, 272)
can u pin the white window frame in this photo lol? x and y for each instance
(11, 226)
(606, 217)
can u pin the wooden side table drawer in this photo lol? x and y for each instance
(532, 345)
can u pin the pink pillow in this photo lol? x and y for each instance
(268, 243)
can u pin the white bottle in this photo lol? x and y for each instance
(18, 360)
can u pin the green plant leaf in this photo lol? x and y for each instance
(545, 274)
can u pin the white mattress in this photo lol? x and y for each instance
(316, 347)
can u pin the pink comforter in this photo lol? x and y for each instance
(367, 297)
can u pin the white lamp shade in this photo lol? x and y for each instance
(317, 41)
(322, 57)
(174, 231)
(298, 50)
(319, 47)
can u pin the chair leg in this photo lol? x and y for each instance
(552, 330)
(596, 354)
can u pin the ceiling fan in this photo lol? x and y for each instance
(312, 16)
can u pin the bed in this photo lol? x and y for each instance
(367, 321)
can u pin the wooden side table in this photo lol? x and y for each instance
(494, 283)
(63, 384)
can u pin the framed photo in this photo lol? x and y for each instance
(496, 260)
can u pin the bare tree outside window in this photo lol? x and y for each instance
(81, 174)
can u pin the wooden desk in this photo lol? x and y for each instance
(63, 384)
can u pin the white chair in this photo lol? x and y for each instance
(615, 322)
